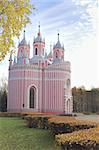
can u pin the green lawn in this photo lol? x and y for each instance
(14, 135)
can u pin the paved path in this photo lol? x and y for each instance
(88, 117)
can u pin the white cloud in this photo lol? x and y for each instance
(78, 24)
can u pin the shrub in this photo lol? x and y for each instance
(37, 122)
(9, 114)
(84, 139)
(62, 124)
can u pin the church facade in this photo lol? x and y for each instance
(42, 83)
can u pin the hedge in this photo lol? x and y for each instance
(60, 125)
(17, 114)
(37, 121)
(79, 140)
(57, 124)
(9, 114)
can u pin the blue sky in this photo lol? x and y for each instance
(77, 22)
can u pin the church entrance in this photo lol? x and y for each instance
(32, 97)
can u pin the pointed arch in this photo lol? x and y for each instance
(35, 51)
(68, 106)
(32, 97)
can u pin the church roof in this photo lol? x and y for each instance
(23, 42)
(35, 59)
(39, 37)
(50, 54)
(57, 61)
(58, 44)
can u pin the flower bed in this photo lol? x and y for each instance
(79, 140)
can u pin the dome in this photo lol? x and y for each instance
(38, 39)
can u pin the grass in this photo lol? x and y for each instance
(14, 135)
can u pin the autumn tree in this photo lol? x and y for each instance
(14, 15)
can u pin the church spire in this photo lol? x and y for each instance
(39, 33)
(58, 36)
(24, 35)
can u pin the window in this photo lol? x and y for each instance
(32, 97)
(36, 51)
(68, 106)
(68, 83)
(56, 55)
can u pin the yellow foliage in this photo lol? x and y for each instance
(82, 137)
(69, 120)
(14, 15)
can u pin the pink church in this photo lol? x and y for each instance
(41, 83)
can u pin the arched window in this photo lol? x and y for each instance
(68, 83)
(36, 51)
(57, 53)
(32, 100)
(68, 106)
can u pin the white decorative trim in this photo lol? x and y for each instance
(40, 70)
(22, 78)
(27, 78)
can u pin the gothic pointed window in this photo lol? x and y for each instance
(36, 51)
(68, 83)
(32, 100)
(56, 54)
(68, 106)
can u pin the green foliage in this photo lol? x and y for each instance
(14, 135)
(3, 95)
(37, 122)
(3, 101)
(14, 15)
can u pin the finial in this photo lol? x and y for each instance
(58, 36)
(24, 35)
(50, 47)
(39, 26)
(39, 29)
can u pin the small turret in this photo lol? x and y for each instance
(58, 52)
(38, 45)
(23, 51)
